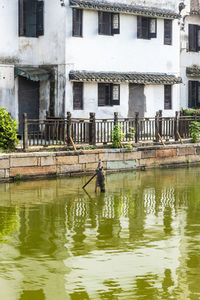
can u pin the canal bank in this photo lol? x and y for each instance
(67, 163)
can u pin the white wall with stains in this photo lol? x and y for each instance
(122, 52)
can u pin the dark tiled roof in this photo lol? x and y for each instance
(130, 77)
(102, 5)
(193, 71)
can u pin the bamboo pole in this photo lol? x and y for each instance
(161, 139)
(180, 137)
(89, 181)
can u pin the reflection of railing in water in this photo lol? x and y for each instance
(58, 131)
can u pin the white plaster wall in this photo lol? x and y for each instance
(49, 48)
(8, 31)
(90, 102)
(155, 100)
(7, 91)
(120, 53)
(187, 58)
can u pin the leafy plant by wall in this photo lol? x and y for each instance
(8, 130)
(194, 131)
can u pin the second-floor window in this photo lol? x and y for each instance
(146, 28)
(167, 32)
(31, 18)
(109, 23)
(194, 38)
(77, 22)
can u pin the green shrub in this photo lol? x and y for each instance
(194, 131)
(117, 136)
(8, 130)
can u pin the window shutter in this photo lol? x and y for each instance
(115, 93)
(198, 94)
(77, 95)
(40, 18)
(101, 94)
(21, 18)
(115, 23)
(192, 93)
(139, 27)
(168, 97)
(192, 37)
(152, 28)
(198, 38)
(100, 22)
(30, 17)
(167, 32)
(105, 23)
(77, 22)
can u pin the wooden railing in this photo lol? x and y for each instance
(92, 131)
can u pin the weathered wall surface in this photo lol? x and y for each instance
(122, 52)
(187, 58)
(43, 164)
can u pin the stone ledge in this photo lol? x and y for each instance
(166, 153)
(4, 163)
(27, 171)
(23, 161)
(66, 160)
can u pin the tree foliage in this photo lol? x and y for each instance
(8, 130)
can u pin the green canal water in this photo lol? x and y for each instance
(139, 240)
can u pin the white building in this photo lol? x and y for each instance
(89, 56)
(122, 56)
(32, 57)
(190, 55)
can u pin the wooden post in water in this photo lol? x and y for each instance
(100, 181)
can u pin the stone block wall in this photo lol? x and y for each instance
(43, 164)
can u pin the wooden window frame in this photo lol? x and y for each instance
(168, 30)
(194, 37)
(109, 100)
(144, 28)
(193, 94)
(108, 28)
(76, 86)
(78, 23)
(168, 97)
(23, 16)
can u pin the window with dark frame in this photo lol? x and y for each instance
(78, 95)
(146, 27)
(193, 94)
(167, 32)
(167, 97)
(108, 94)
(109, 23)
(31, 18)
(194, 38)
(77, 22)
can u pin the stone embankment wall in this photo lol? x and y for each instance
(42, 164)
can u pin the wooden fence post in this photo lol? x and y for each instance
(69, 127)
(115, 118)
(160, 122)
(157, 127)
(136, 127)
(25, 132)
(176, 126)
(92, 129)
